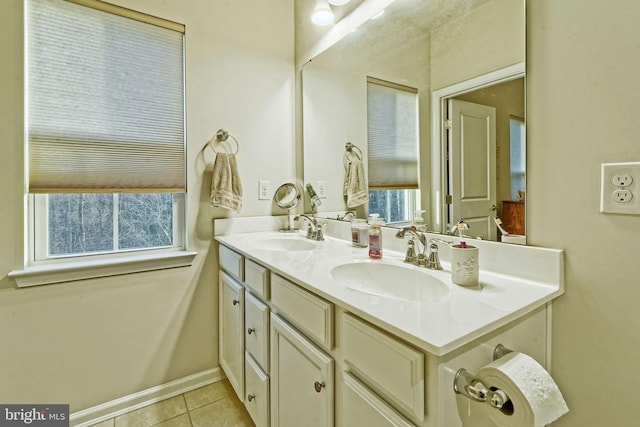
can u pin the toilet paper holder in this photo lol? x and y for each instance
(471, 387)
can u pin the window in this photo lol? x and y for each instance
(392, 124)
(517, 156)
(106, 139)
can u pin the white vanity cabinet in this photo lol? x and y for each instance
(231, 334)
(302, 379)
(297, 356)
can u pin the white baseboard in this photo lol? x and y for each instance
(128, 403)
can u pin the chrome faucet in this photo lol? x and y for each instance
(411, 256)
(431, 261)
(344, 216)
(314, 229)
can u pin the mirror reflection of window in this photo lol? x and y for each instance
(393, 140)
(517, 157)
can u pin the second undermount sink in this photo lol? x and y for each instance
(390, 281)
(289, 243)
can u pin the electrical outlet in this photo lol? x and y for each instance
(622, 196)
(619, 183)
(264, 190)
(623, 180)
(322, 189)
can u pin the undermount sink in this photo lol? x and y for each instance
(289, 243)
(390, 281)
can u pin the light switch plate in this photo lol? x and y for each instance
(322, 189)
(264, 190)
(619, 188)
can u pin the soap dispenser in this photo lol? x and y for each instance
(418, 221)
(375, 236)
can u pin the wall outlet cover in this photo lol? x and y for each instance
(620, 188)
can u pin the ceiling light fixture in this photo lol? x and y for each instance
(322, 14)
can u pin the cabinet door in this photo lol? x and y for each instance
(231, 332)
(362, 407)
(256, 338)
(302, 388)
(257, 390)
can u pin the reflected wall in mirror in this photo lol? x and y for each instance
(418, 44)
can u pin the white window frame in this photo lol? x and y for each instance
(39, 246)
(65, 269)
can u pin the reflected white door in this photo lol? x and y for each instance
(471, 142)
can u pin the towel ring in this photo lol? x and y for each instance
(349, 146)
(222, 136)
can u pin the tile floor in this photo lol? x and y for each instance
(215, 405)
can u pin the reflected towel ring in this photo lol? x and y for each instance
(349, 146)
(346, 159)
(222, 136)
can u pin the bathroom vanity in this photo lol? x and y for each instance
(316, 334)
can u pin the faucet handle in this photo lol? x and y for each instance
(410, 257)
(433, 261)
(319, 234)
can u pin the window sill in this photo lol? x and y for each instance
(80, 270)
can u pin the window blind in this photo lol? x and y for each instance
(392, 118)
(105, 101)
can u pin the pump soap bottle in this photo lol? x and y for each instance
(375, 236)
(418, 221)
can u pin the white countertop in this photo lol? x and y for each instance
(438, 325)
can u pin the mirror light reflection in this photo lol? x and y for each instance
(425, 48)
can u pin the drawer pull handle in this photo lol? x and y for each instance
(318, 386)
(250, 397)
(236, 302)
(251, 330)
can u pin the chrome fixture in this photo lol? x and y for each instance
(343, 217)
(314, 229)
(315, 200)
(433, 260)
(471, 387)
(413, 257)
(287, 196)
(430, 261)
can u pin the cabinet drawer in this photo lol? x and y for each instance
(256, 333)
(257, 392)
(310, 313)
(232, 262)
(362, 407)
(256, 277)
(390, 367)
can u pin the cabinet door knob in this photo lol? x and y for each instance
(251, 330)
(250, 397)
(318, 386)
(236, 302)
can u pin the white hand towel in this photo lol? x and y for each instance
(355, 186)
(226, 189)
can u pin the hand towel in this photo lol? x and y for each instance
(226, 189)
(355, 186)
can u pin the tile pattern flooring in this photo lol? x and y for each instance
(215, 405)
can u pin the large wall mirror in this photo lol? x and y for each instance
(443, 76)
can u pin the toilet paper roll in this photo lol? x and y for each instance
(535, 398)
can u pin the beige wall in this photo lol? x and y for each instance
(92, 341)
(583, 89)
